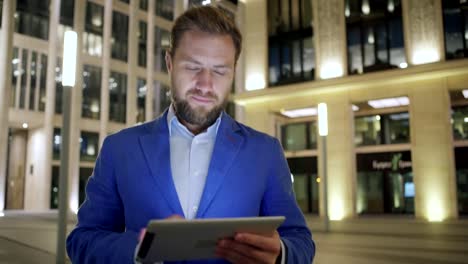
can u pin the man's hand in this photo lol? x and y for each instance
(143, 230)
(247, 248)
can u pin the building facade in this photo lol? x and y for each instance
(393, 74)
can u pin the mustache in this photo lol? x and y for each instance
(198, 92)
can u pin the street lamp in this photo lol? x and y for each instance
(323, 132)
(68, 81)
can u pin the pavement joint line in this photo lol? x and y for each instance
(26, 245)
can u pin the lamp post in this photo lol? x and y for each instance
(68, 81)
(323, 132)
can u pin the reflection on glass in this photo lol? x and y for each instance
(165, 9)
(141, 99)
(142, 44)
(117, 97)
(161, 99)
(91, 106)
(460, 122)
(385, 184)
(119, 36)
(461, 156)
(32, 87)
(144, 5)
(15, 73)
(382, 129)
(299, 136)
(89, 145)
(374, 35)
(94, 28)
(24, 75)
(305, 183)
(455, 29)
(161, 44)
(42, 68)
(58, 86)
(32, 18)
(56, 143)
(54, 187)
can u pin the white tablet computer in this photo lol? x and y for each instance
(179, 239)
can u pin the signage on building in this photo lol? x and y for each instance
(386, 161)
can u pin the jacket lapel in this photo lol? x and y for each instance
(225, 150)
(156, 148)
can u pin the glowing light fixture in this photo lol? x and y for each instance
(69, 58)
(300, 112)
(427, 55)
(434, 211)
(389, 102)
(465, 119)
(365, 8)
(377, 117)
(331, 70)
(292, 178)
(25, 125)
(391, 6)
(255, 81)
(355, 108)
(206, 2)
(336, 212)
(323, 119)
(465, 93)
(2, 214)
(317, 180)
(403, 65)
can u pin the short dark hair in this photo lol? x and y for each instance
(207, 19)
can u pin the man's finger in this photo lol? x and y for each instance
(268, 243)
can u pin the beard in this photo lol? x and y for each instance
(198, 116)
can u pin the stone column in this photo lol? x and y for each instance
(106, 60)
(149, 108)
(432, 152)
(330, 38)
(6, 54)
(256, 39)
(17, 170)
(179, 7)
(38, 184)
(423, 31)
(341, 174)
(132, 65)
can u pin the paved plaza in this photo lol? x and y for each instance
(31, 237)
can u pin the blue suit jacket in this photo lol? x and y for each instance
(132, 184)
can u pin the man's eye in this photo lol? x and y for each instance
(192, 68)
(220, 73)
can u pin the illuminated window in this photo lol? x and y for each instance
(374, 35)
(161, 99)
(117, 97)
(165, 9)
(89, 145)
(299, 136)
(119, 41)
(141, 99)
(142, 37)
(94, 29)
(306, 183)
(91, 105)
(456, 29)
(33, 18)
(161, 44)
(291, 51)
(461, 166)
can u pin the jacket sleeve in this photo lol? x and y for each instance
(279, 199)
(100, 235)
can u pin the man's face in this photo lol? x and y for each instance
(201, 71)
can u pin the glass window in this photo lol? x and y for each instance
(32, 18)
(144, 5)
(461, 156)
(141, 100)
(305, 183)
(117, 97)
(42, 86)
(291, 52)
(85, 173)
(89, 145)
(54, 187)
(56, 143)
(142, 44)
(24, 75)
(161, 44)
(67, 8)
(162, 98)
(125, 1)
(299, 136)
(94, 28)
(15, 74)
(58, 87)
(33, 81)
(374, 35)
(455, 28)
(382, 129)
(91, 106)
(385, 183)
(231, 109)
(119, 36)
(165, 9)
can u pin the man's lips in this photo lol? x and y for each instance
(202, 99)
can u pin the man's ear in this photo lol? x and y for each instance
(168, 62)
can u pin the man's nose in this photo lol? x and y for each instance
(205, 80)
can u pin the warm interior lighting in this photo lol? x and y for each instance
(403, 65)
(25, 125)
(323, 119)
(292, 178)
(465, 93)
(391, 6)
(336, 210)
(465, 119)
(317, 180)
(206, 2)
(74, 205)
(331, 70)
(255, 81)
(69, 58)
(428, 55)
(389, 102)
(300, 112)
(365, 8)
(355, 108)
(2, 214)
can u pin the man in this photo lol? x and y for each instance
(194, 161)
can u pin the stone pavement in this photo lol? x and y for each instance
(31, 238)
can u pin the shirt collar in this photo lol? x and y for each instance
(173, 123)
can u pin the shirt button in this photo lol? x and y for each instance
(194, 209)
